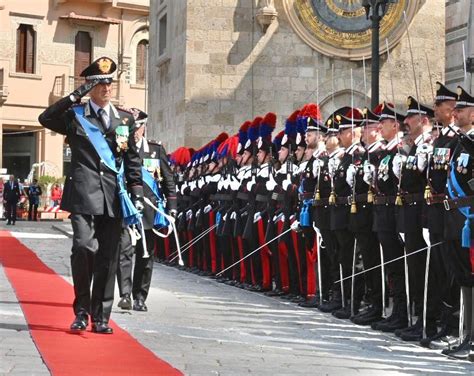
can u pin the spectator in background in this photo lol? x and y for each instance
(11, 196)
(56, 194)
(34, 194)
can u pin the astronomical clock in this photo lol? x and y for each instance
(340, 28)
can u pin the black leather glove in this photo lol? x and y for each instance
(84, 89)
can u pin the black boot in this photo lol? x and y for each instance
(373, 314)
(310, 303)
(462, 351)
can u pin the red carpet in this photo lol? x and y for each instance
(46, 299)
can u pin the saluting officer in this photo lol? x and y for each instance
(91, 193)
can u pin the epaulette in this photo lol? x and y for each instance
(154, 142)
(78, 104)
(123, 109)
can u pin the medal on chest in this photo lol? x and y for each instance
(462, 162)
(152, 165)
(441, 157)
(121, 138)
(411, 162)
(384, 168)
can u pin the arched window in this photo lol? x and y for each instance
(142, 55)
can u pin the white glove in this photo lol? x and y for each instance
(233, 215)
(424, 149)
(207, 209)
(422, 162)
(192, 185)
(271, 183)
(286, 183)
(201, 182)
(256, 217)
(295, 226)
(397, 164)
(183, 187)
(350, 175)
(189, 214)
(369, 173)
(333, 164)
(234, 184)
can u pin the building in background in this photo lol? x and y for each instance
(215, 64)
(44, 45)
(459, 33)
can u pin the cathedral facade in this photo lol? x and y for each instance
(216, 63)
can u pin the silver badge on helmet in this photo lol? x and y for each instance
(239, 147)
(259, 142)
(284, 140)
(298, 139)
(247, 144)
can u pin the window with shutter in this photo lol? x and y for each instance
(142, 51)
(25, 49)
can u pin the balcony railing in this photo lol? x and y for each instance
(64, 85)
(3, 87)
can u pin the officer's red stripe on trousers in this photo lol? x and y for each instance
(45, 299)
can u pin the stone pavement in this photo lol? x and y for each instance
(205, 328)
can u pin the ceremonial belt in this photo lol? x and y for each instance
(186, 198)
(195, 193)
(461, 202)
(305, 196)
(344, 200)
(278, 196)
(220, 197)
(384, 200)
(410, 198)
(436, 199)
(243, 196)
(159, 219)
(130, 214)
(321, 202)
(261, 198)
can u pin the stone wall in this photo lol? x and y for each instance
(234, 71)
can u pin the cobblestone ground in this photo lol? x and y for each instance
(205, 328)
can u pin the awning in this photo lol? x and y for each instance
(78, 17)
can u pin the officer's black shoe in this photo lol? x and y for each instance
(331, 306)
(289, 296)
(220, 279)
(231, 282)
(298, 299)
(79, 324)
(462, 351)
(8, 223)
(125, 302)
(375, 325)
(276, 292)
(398, 323)
(343, 313)
(435, 337)
(310, 303)
(101, 328)
(370, 316)
(412, 328)
(417, 334)
(139, 305)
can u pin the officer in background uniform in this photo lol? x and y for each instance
(459, 217)
(155, 163)
(91, 192)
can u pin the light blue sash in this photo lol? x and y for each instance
(130, 214)
(160, 221)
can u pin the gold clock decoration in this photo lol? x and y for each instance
(340, 28)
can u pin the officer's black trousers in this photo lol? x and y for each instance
(369, 246)
(94, 258)
(139, 285)
(327, 254)
(416, 267)
(33, 212)
(392, 248)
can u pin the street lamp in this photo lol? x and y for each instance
(375, 10)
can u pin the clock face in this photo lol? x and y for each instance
(341, 28)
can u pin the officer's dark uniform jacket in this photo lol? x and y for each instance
(386, 186)
(167, 186)
(322, 210)
(412, 188)
(443, 148)
(91, 187)
(341, 210)
(363, 219)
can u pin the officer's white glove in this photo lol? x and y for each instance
(192, 185)
(318, 163)
(295, 226)
(201, 182)
(350, 175)
(256, 217)
(424, 149)
(233, 215)
(369, 173)
(333, 164)
(286, 183)
(271, 184)
(183, 187)
(189, 214)
(421, 161)
(234, 184)
(207, 209)
(397, 165)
